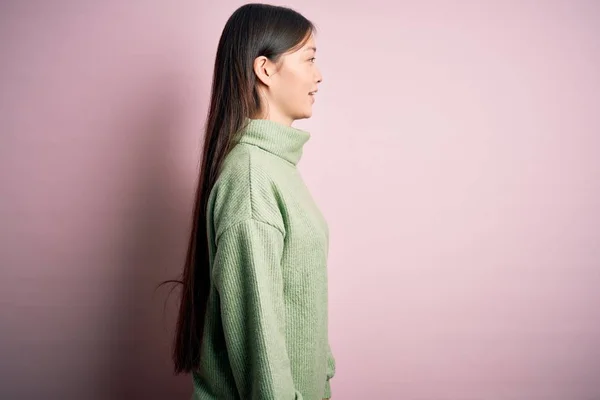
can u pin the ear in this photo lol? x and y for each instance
(264, 69)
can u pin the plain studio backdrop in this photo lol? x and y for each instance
(454, 152)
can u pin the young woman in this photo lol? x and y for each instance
(253, 316)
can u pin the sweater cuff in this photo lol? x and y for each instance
(327, 389)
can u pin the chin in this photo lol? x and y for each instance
(307, 113)
(303, 116)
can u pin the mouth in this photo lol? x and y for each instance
(313, 92)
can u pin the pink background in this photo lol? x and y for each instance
(454, 152)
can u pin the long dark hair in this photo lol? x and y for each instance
(253, 30)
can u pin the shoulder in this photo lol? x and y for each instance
(245, 190)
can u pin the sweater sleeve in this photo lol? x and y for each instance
(330, 372)
(248, 277)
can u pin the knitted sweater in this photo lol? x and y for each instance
(265, 333)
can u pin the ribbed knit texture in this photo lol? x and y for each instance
(266, 327)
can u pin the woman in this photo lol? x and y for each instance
(253, 317)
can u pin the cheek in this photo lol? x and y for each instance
(296, 86)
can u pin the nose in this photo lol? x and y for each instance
(319, 76)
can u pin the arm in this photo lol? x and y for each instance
(330, 372)
(248, 276)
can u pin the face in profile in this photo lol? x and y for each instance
(291, 85)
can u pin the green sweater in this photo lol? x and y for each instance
(266, 331)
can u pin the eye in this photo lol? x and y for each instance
(313, 59)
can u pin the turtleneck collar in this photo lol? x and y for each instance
(284, 141)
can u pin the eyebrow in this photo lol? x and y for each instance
(311, 48)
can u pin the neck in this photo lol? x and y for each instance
(275, 116)
(275, 137)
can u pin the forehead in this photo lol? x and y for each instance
(297, 57)
(308, 47)
(310, 43)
